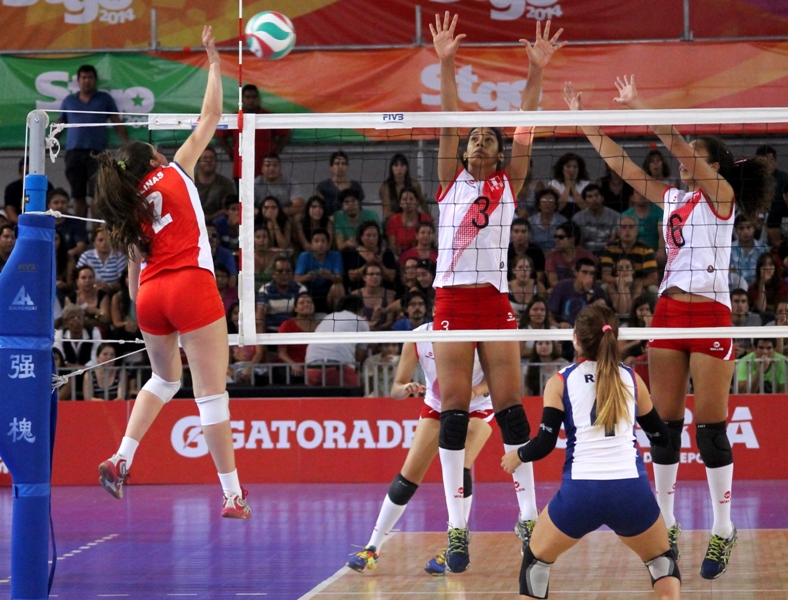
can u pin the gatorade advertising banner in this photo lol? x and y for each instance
(353, 440)
(713, 75)
(112, 24)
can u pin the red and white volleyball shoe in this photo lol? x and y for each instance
(112, 475)
(235, 506)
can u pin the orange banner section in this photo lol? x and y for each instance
(346, 440)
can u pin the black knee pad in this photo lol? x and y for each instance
(664, 565)
(534, 576)
(401, 490)
(467, 483)
(670, 454)
(454, 429)
(514, 425)
(713, 444)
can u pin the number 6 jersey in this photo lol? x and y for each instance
(473, 231)
(180, 238)
(698, 245)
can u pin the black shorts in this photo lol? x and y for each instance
(80, 171)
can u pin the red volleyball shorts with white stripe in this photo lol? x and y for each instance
(427, 412)
(461, 308)
(689, 315)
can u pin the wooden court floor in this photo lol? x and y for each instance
(599, 568)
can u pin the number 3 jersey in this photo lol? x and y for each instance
(698, 245)
(473, 231)
(180, 239)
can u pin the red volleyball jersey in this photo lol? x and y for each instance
(180, 238)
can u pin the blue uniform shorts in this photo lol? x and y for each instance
(581, 506)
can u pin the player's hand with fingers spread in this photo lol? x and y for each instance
(573, 99)
(627, 92)
(209, 43)
(443, 38)
(543, 48)
(510, 462)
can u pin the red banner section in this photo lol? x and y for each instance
(350, 440)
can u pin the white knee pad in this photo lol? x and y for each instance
(163, 390)
(214, 409)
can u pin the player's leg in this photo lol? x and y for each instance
(669, 377)
(546, 545)
(653, 548)
(712, 380)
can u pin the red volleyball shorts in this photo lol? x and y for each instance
(427, 412)
(676, 313)
(179, 300)
(458, 308)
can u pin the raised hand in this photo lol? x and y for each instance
(573, 99)
(209, 43)
(443, 38)
(627, 92)
(543, 48)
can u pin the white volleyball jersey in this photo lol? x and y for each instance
(592, 453)
(432, 396)
(473, 231)
(698, 245)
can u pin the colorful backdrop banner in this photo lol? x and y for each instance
(104, 24)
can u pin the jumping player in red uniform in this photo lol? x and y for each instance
(153, 215)
(694, 293)
(477, 203)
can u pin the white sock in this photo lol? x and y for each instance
(720, 482)
(452, 462)
(128, 447)
(230, 483)
(388, 517)
(466, 507)
(524, 487)
(665, 482)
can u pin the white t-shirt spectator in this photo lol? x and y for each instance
(344, 321)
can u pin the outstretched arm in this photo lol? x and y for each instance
(615, 156)
(188, 154)
(446, 44)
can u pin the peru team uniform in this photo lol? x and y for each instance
(698, 246)
(177, 286)
(473, 241)
(481, 406)
(604, 480)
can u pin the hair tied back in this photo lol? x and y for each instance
(606, 328)
(122, 164)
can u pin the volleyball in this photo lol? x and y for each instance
(270, 35)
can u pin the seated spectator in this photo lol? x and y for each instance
(597, 223)
(107, 264)
(570, 178)
(227, 225)
(276, 300)
(91, 299)
(641, 313)
(767, 288)
(544, 362)
(416, 310)
(524, 286)
(302, 321)
(745, 251)
(656, 166)
(526, 198)
(570, 296)
(104, 383)
(544, 222)
(315, 217)
(329, 189)
(14, 196)
(533, 317)
(227, 292)
(277, 226)
(247, 363)
(273, 183)
(520, 245)
(777, 220)
(762, 371)
(399, 178)
(425, 245)
(407, 277)
(264, 257)
(73, 234)
(321, 271)
(740, 310)
(640, 255)
(70, 339)
(7, 243)
(347, 220)
(65, 266)
(649, 221)
(781, 320)
(368, 248)
(561, 260)
(425, 277)
(375, 297)
(401, 227)
(212, 187)
(380, 368)
(625, 288)
(222, 256)
(64, 392)
(615, 191)
(335, 363)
